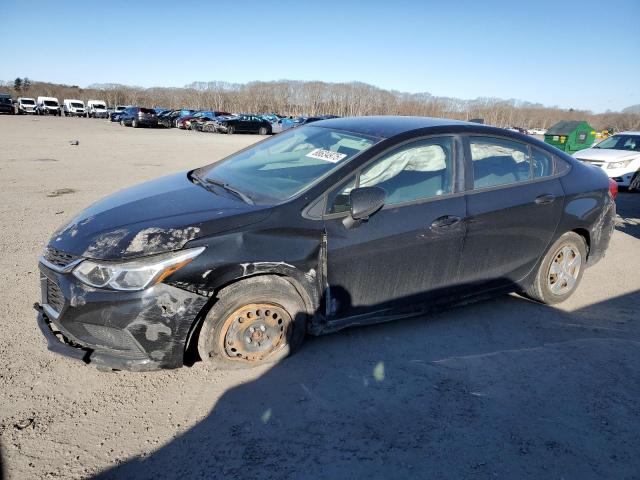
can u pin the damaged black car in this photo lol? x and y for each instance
(343, 222)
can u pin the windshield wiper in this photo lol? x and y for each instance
(212, 181)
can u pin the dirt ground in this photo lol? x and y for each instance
(505, 388)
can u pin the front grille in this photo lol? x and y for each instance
(54, 296)
(58, 257)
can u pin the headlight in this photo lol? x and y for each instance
(622, 164)
(135, 274)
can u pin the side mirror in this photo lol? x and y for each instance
(365, 202)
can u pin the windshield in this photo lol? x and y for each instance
(77, 105)
(50, 103)
(99, 105)
(621, 142)
(27, 101)
(5, 100)
(283, 166)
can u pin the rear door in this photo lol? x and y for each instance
(407, 252)
(514, 204)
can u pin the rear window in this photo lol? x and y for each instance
(498, 161)
(77, 105)
(147, 110)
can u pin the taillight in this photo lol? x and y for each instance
(613, 188)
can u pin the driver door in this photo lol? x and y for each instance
(406, 253)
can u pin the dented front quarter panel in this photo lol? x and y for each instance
(294, 252)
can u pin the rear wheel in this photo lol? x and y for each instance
(561, 270)
(253, 322)
(134, 123)
(230, 130)
(262, 131)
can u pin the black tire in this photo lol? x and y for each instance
(122, 124)
(134, 123)
(274, 300)
(262, 131)
(634, 185)
(540, 289)
(231, 130)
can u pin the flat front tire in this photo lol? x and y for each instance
(560, 271)
(256, 321)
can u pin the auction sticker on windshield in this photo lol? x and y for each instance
(328, 155)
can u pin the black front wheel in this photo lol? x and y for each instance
(253, 322)
(231, 130)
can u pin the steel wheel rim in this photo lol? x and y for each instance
(255, 331)
(564, 270)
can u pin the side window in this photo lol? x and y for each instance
(415, 171)
(542, 163)
(561, 165)
(419, 170)
(498, 161)
(338, 199)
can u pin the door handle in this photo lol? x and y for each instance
(545, 199)
(445, 221)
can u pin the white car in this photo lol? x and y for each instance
(97, 109)
(619, 156)
(26, 105)
(73, 108)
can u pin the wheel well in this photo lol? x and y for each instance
(584, 233)
(190, 355)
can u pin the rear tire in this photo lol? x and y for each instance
(134, 123)
(230, 130)
(262, 131)
(253, 322)
(560, 271)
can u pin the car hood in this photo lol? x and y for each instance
(606, 155)
(154, 217)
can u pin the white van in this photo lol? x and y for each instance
(97, 109)
(26, 105)
(48, 106)
(73, 108)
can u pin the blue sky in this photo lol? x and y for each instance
(580, 54)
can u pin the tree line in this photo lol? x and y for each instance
(290, 97)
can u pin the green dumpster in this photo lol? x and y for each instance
(570, 135)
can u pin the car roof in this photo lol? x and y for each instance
(627, 133)
(387, 126)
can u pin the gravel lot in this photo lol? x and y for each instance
(504, 388)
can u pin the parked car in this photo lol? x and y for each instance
(73, 108)
(25, 105)
(97, 109)
(342, 222)
(114, 116)
(619, 156)
(6, 104)
(164, 118)
(138, 117)
(48, 106)
(537, 131)
(245, 124)
(198, 119)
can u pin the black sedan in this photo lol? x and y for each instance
(244, 124)
(338, 223)
(138, 117)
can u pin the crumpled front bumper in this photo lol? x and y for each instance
(137, 331)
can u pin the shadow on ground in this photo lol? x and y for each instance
(505, 388)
